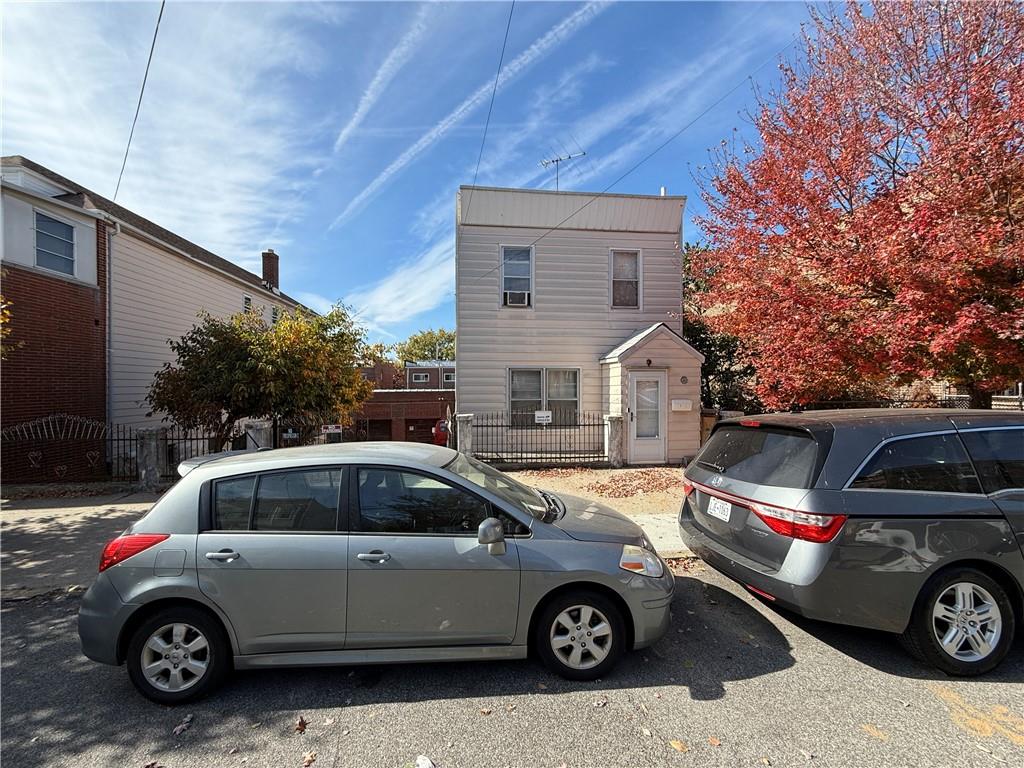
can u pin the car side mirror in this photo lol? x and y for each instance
(492, 533)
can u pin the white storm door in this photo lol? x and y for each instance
(647, 417)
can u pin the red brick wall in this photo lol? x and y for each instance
(57, 364)
(408, 408)
(433, 380)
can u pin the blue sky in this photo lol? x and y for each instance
(338, 133)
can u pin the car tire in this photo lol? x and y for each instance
(958, 612)
(580, 635)
(196, 655)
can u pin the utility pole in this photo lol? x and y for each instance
(558, 160)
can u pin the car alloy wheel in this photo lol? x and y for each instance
(581, 637)
(967, 621)
(175, 657)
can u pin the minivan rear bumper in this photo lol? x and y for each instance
(817, 589)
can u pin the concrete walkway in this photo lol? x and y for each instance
(55, 544)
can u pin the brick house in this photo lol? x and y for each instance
(430, 374)
(95, 292)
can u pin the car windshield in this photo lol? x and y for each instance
(501, 485)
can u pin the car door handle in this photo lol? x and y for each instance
(224, 556)
(374, 557)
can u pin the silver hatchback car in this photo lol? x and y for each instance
(364, 554)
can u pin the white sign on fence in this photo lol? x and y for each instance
(542, 417)
(328, 429)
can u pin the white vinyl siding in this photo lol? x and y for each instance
(156, 295)
(55, 244)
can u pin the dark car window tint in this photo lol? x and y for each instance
(931, 463)
(998, 456)
(232, 499)
(392, 501)
(763, 455)
(305, 500)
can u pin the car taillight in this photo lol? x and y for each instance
(798, 525)
(687, 488)
(123, 547)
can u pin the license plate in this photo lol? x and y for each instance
(719, 508)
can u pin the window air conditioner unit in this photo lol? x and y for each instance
(517, 298)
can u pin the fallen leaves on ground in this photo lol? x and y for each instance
(714, 741)
(300, 724)
(684, 565)
(184, 725)
(602, 702)
(679, 746)
(153, 764)
(485, 711)
(633, 482)
(556, 473)
(807, 755)
(308, 759)
(646, 732)
(422, 761)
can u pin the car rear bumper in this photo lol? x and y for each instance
(101, 617)
(817, 588)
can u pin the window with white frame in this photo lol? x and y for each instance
(516, 276)
(55, 245)
(247, 303)
(626, 279)
(275, 315)
(449, 378)
(420, 378)
(544, 389)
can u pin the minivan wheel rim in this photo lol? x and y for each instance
(966, 621)
(581, 637)
(175, 657)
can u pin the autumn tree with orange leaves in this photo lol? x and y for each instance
(872, 235)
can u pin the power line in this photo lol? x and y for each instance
(490, 107)
(651, 154)
(138, 106)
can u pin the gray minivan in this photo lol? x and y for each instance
(909, 521)
(367, 553)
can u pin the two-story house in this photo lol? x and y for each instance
(96, 291)
(569, 303)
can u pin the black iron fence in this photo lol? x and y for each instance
(512, 439)
(950, 401)
(122, 464)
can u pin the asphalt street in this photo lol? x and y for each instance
(733, 684)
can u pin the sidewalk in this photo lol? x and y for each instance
(55, 544)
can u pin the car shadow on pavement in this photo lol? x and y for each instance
(882, 651)
(58, 704)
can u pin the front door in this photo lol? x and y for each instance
(417, 575)
(647, 417)
(273, 559)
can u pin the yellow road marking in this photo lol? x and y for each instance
(994, 721)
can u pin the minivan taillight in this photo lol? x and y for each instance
(125, 546)
(687, 488)
(798, 525)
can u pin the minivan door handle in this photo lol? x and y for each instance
(224, 556)
(376, 556)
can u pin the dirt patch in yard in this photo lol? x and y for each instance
(640, 491)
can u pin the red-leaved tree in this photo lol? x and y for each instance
(872, 235)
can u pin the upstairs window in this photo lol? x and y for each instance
(516, 276)
(449, 378)
(55, 245)
(626, 279)
(247, 303)
(420, 378)
(275, 315)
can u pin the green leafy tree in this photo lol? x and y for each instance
(302, 369)
(727, 375)
(427, 345)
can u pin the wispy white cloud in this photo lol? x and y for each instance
(221, 141)
(540, 48)
(393, 64)
(315, 301)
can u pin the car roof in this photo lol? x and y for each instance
(238, 462)
(889, 420)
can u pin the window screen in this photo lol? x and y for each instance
(392, 501)
(306, 500)
(232, 499)
(929, 463)
(998, 455)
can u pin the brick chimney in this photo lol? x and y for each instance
(270, 268)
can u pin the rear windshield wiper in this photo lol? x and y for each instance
(710, 465)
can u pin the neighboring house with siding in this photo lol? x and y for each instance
(96, 292)
(569, 302)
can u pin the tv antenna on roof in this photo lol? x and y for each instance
(558, 160)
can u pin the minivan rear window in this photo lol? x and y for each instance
(763, 455)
